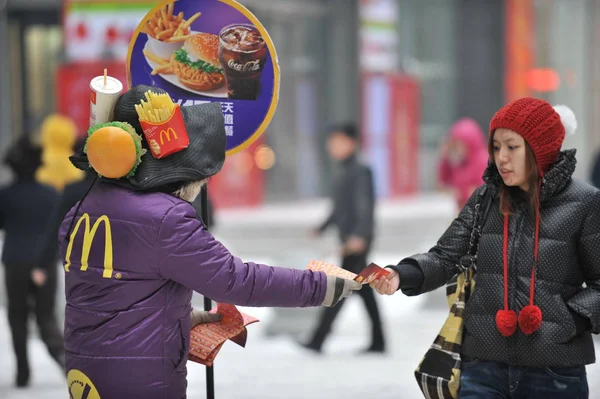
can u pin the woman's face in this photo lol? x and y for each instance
(340, 146)
(457, 152)
(509, 156)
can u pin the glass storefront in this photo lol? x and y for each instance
(563, 44)
(318, 88)
(34, 39)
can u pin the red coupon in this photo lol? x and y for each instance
(371, 273)
(368, 275)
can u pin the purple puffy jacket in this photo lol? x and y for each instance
(131, 264)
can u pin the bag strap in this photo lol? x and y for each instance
(484, 201)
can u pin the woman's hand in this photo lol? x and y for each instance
(355, 245)
(387, 285)
(200, 317)
(38, 276)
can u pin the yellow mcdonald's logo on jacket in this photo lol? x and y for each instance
(167, 133)
(88, 238)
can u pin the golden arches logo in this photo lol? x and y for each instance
(167, 133)
(80, 386)
(88, 238)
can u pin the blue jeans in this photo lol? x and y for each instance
(490, 380)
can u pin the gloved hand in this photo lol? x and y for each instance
(338, 289)
(199, 317)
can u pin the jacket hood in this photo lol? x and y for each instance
(468, 132)
(554, 181)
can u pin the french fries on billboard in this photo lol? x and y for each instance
(165, 26)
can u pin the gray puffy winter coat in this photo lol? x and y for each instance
(569, 256)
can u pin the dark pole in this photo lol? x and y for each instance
(210, 372)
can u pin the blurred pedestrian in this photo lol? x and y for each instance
(463, 161)
(529, 319)
(24, 217)
(131, 272)
(353, 216)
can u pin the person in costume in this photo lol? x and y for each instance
(529, 319)
(134, 251)
(58, 134)
(30, 280)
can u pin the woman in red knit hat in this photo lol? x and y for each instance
(529, 319)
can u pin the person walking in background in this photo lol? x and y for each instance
(353, 216)
(529, 318)
(24, 216)
(463, 161)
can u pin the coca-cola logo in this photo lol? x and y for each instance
(250, 66)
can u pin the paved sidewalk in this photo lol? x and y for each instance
(276, 368)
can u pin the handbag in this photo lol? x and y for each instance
(438, 372)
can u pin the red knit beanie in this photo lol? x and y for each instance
(539, 124)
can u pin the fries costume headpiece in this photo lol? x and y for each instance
(122, 151)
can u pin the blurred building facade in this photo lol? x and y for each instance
(379, 63)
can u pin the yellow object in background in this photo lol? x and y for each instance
(58, 136)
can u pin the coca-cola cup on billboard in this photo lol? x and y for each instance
(243, 53)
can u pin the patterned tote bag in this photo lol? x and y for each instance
(438, 373)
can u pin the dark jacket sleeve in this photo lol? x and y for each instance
(438, 265)
(587, 302)
(49, 251)
(411, 277)
(364, 199)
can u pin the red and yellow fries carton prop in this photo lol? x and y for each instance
(163, 125)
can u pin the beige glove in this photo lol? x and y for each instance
(338, 289)
(199, 317)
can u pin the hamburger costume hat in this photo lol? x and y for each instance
(120, 151)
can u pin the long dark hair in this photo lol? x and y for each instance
(515, 193)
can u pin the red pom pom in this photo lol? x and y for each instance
(506, 322)
(530, 319)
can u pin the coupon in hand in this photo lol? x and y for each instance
(368, 275)
(330, 270)
(371, 273)
(207, 339)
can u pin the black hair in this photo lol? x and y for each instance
(347, 129)
(24, 158)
